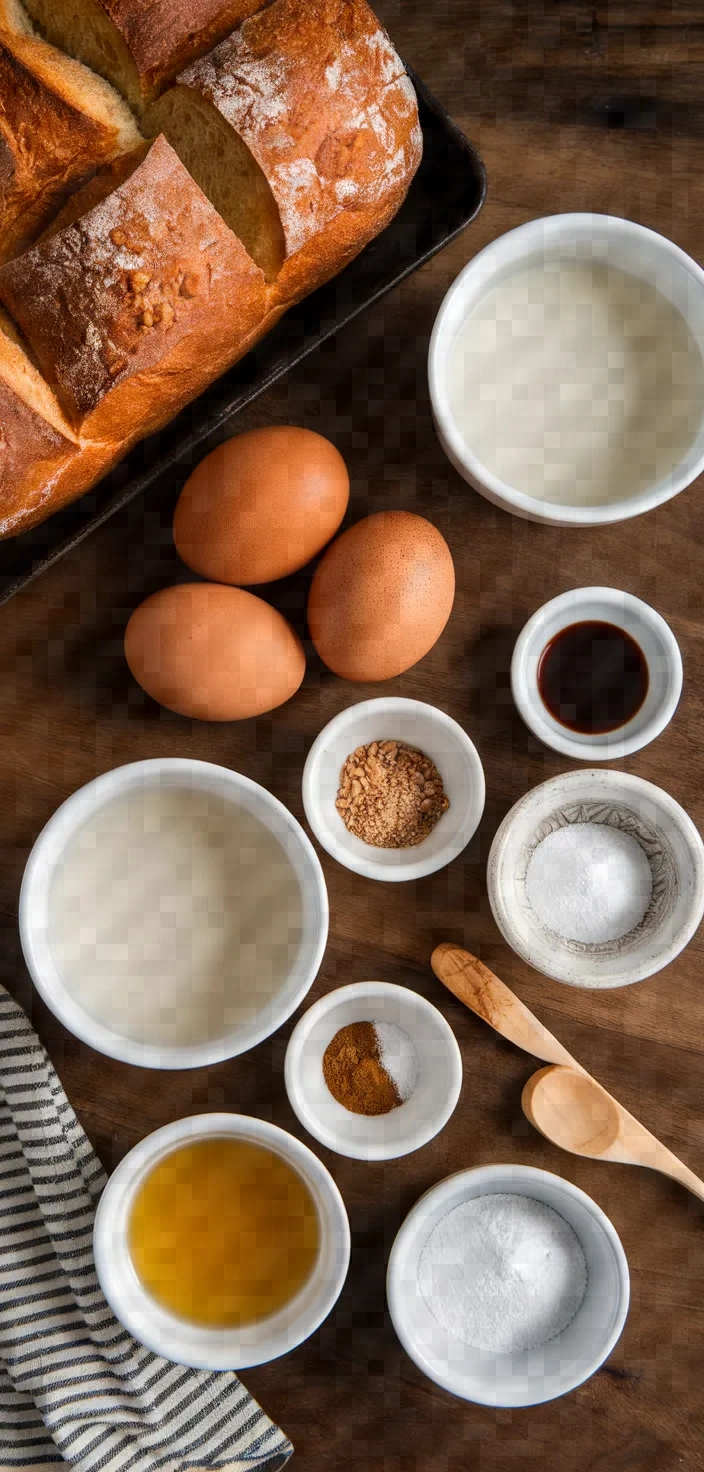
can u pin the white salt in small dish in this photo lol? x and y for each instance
(530, 1377)
(418, 725)
(650, 632)
(412, 1124)
(671, 843)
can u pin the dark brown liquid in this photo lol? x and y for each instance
(593, 677)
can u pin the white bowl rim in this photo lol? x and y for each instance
(121, 1188)
(490, 1173)
(369, 868)
(627, 783)
(96, 1034)
(574, 745)
(508, 497)
(367, 991)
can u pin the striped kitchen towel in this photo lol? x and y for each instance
(74, 1385)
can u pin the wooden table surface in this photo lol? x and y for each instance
(574, 104)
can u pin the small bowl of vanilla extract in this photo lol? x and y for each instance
(596, 674)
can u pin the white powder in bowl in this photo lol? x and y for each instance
(503, 1273)
(397, 1054)
(589, 882)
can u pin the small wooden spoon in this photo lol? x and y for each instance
(480, 990)
(572, 1110)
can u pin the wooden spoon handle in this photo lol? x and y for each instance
(683, 1174)
(480, 990)
(637, 1146)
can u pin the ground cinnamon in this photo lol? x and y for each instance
(354, 1074)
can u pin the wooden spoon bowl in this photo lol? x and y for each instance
(573, 1111)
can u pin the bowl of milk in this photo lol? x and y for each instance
(173, 913)
(566, 370)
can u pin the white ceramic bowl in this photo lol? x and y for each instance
(532, 1376)
(671, 843)
(418, 725)
(377, 1137)
(653, 636)
(190, 1344)
(47, 855)
(605, 238)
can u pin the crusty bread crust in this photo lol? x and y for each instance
(326, 108)
(138, 294)
(37, 446)
(163, 37)
(54, 132)
(139, 303)
(138, 45)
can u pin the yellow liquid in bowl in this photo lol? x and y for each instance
(223, 1233)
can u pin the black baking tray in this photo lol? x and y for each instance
(445, 196)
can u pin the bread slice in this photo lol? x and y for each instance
(37, 445)
(302, 129)
(134, 306)
(139, 47)
(58, 124)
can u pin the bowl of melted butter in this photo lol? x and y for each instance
(221, 1242)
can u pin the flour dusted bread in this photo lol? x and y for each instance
(132, 308)
(39, 453)
(139, 45)
(137, 272)
(302, 129)
(58, 124)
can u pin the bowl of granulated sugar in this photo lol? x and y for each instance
(507, 1285)
(596, 878)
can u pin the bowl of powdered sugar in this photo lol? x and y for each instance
(507, 1285)
(596, 878)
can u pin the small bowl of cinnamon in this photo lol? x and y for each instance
(373, 1071)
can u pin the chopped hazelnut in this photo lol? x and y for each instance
(147, 319)
(384, 797)
(118, 237)
(140, 280)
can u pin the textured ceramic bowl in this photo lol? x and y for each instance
(384, 1136)
(191, 1344)
(605, 238)
(419, 725)
(47, 855)
(653, 636)
(672, 846)
(532, 1376)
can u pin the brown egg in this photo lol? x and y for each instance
(214, 653)
(261, 505)
(381, 596)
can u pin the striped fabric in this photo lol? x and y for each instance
(74, 1385)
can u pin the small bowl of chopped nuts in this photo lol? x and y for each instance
(393, 789)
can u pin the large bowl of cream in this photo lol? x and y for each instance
(173, 913)
(566, 370)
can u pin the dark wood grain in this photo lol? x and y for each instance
(574, 106)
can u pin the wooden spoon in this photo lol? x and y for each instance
(480, 990)
(572, 1110)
